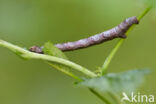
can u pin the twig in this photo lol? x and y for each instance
(31, 55)
(116, 32)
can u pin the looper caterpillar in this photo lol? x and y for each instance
(116, 32)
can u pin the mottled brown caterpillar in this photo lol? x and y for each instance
(116, 32)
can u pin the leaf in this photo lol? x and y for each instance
(50, 49)
(116, 83)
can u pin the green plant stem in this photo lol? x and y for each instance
(111, 55)
(30, 55)
(145, 12)
(115, 97)
(99, 96)
(65, 72)
(120, 42)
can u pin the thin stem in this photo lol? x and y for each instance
(115, 97)
(145, 12)
(120, 42)
(65, 71)
(31, 55)
(99, 96)
(110, 56)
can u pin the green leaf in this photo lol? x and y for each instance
(50, 49)
(117, 82)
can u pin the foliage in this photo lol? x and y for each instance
(51, 50)
(117, 82)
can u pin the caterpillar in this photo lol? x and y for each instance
(116, 32)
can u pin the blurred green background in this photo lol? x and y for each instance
(34, 22)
